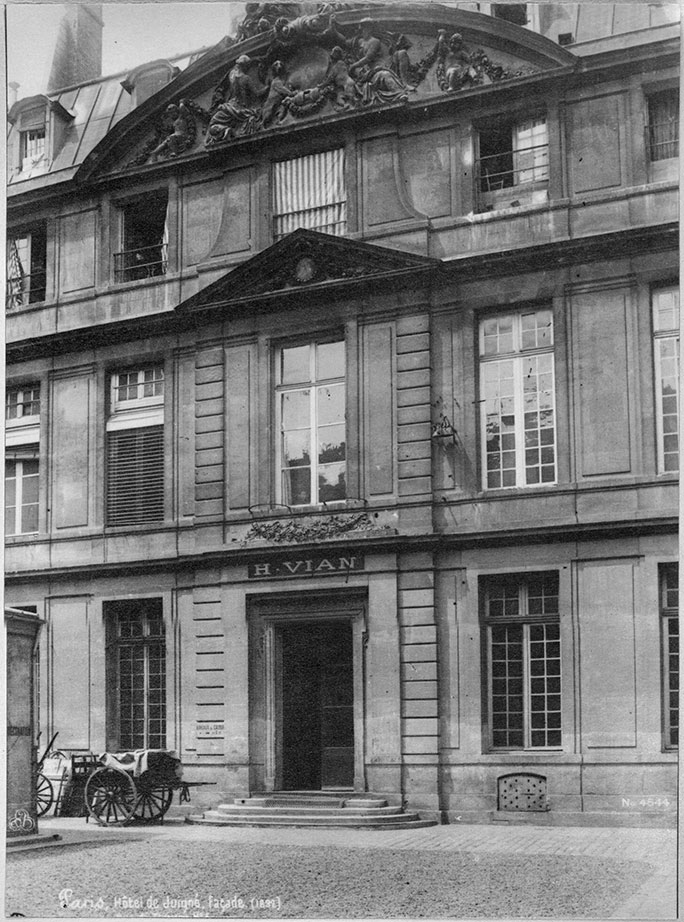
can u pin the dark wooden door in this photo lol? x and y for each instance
(317, 706)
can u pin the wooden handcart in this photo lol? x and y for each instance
(45, 791)
(135, 787)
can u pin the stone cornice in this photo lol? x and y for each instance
(567, 533)
(556, 255)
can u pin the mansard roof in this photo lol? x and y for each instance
(307, 262)
(94, 108)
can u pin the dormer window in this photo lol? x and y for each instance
(39, 126)
(32, 145)
(148, 79)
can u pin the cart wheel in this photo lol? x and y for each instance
(152, 803)
(44, 794)
(110, 796)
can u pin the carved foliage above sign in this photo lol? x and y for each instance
(313, 528)
(313, 66)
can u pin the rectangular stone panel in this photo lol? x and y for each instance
(70, 645)
(594, 144)
(70, 422)
(77, 251)
(600, 354)
(379, 443)
(607, 653)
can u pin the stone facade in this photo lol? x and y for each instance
(484, 225)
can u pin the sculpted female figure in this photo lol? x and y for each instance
(379, 83)
(240, 114)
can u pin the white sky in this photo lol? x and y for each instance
(133, 33)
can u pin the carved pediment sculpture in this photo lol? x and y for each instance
(297, 66)
(175, 134)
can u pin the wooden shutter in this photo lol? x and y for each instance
(135, 476)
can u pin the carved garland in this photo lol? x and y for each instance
(312, 529)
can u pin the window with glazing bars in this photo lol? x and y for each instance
(517, 399)
(665, 302)
(135, 447)
(137, 663)
(669, 609)
(22, 402)
(521, 623)
(21, 491)
(32, 143)
(663, 127)
(310, 395)
(22, 474)
(310, 192)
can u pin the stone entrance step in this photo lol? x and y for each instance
(310, 810)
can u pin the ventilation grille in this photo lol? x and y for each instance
(523, 793)
(135, 476)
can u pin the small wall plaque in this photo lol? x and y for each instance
(209, 731)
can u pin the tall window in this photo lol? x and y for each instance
(512, 154)
(521, 621)
(26, 267)
(669, 609)
(22, 437)
(310, 192)
(311, 423)
(663, 125)
(666, 347)
(21, 492)
(135, 447)
(136, 652)
(517, 399)
(144, 238)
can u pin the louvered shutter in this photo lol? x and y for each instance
(135, 476)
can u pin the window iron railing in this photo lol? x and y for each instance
(27, 289)
(509, 168)
(662, 139)
(141, 263)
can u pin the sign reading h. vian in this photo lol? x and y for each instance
(305, 566)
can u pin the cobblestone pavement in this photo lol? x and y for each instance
(591, 872)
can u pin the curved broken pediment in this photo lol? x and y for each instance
(290, 70)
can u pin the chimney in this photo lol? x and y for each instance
(78, 50)
(13, 93)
